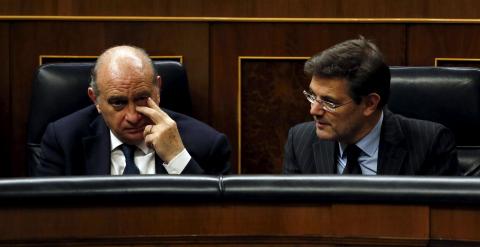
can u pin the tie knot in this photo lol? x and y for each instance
(352, 167)
(352, 151)
(128, 150)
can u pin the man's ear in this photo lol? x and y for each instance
(93, 97)
(371, 104)
(159, 81)
(156, 97)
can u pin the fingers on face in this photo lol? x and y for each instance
(151, 133)
(152, 104)
(149, 140)
(164, 138)
(153, 111)
(147, 130)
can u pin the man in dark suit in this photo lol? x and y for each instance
(125, 132)
(353, 132)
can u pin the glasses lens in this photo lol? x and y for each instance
(328, 108)
(309, 97)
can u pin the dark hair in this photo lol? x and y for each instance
(359, 62)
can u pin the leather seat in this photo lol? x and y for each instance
(446, 95)
(61, 88)
(244, 189)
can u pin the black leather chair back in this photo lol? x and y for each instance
(446, 95)
(61, 88)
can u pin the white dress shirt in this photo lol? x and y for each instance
(144, 158)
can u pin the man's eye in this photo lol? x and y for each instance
(118, 103)
(141, 101)
(330, 104)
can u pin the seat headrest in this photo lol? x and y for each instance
(450, 96)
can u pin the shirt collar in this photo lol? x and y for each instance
(369, 143)
(116, 143)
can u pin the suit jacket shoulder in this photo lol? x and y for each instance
(210, 149)
(305, 153)
(415, 147)
(64, 150)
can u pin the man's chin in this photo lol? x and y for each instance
(324, 135)
(132, 138)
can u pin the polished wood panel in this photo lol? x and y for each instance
(5, 113)
(222, 224)
(33, 39)
(410, 221)
(271, 103)
(462, 223)
(249, 8)
(427, 42)
(231, 40)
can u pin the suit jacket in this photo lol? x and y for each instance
(79, 144)
(407, 147)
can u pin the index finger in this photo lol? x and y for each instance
(152, 104)
(153, 112)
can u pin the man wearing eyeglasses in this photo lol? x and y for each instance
(352, 131)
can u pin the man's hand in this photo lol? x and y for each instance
(163, 135)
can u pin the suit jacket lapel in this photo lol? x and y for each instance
(392, 151)
(97, 148)
(324, 155)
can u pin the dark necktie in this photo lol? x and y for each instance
(129, 151)
(352, 167)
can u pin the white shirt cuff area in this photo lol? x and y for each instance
(178, 163)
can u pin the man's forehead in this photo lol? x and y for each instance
(329, 87)
(123, 71)
(126, 91)
(330, 82)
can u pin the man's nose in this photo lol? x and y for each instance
(316, 109)
(132, 115)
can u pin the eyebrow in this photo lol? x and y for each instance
(114, 98)
(142, 94)
(324, 98)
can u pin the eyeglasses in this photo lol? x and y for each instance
(326, 105)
